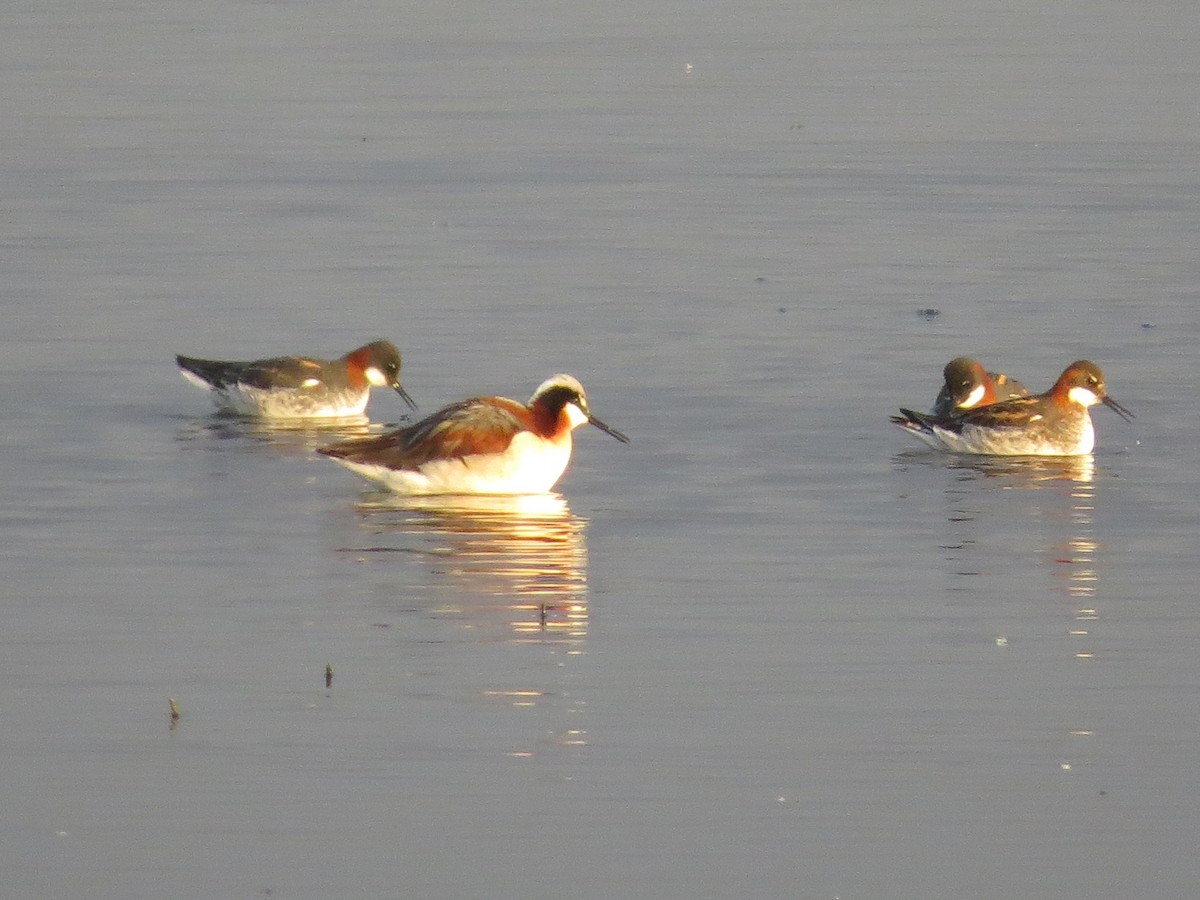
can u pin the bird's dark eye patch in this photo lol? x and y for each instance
(559, 397)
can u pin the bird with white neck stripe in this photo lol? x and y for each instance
(967, 384)
(1056, 423)
(298, 387)
(484, 445)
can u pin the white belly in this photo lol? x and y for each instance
(1016, 442)
(291, 404)
(530, 465)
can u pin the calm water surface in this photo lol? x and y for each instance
(770, 648)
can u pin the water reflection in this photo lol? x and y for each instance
(524, 557)
(222, 432)
(504, 570)
(1021, 528)
(982, 517)
(1025, 471)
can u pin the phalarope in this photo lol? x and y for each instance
(967, 384)
(485, 445)
(1056, 423)
(299, 387)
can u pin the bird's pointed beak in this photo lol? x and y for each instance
(620, 437)
(399, 389)
(1117, 408)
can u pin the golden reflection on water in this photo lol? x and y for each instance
(284, 435)
(1072, 478)
(1028, 471)
(1065, 507)
(510, 569)
(522, 557)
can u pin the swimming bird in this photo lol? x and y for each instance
(1056, 423)
(968, 385)
(485, 445)
(299, 387)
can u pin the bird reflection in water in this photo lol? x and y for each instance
(1067, 483)
(1072, 556)
(287, 436)
(1025, 471)
(1036, 517)
(504, 570)
(522, 556)
(1076, 477)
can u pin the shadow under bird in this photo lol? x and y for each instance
(967, 385)
(1056, 423)
(299, 387)
(485, 445)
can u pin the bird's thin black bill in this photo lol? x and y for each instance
(399, 389)
(1117, 408)
(620, 437)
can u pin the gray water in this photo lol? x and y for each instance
(772, 647)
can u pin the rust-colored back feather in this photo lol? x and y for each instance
(467, 428)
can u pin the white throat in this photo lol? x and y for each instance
(375, 377)
(575, 415)
(974, 397)
(1082, 396)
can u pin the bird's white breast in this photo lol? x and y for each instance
(530, 465)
